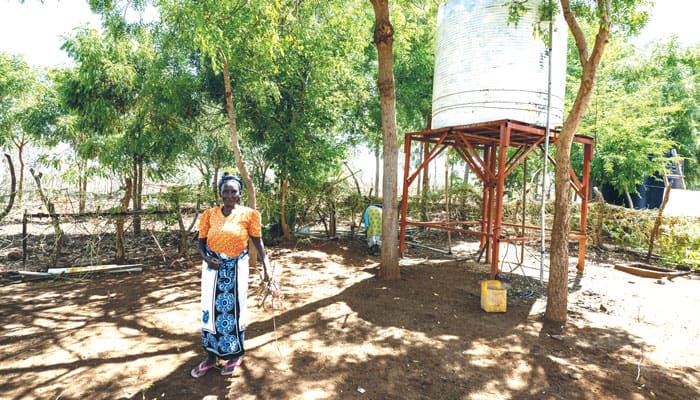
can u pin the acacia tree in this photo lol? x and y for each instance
(19, 87)
(629, 19)
(631, 120)
(53, 125)
(99, 94)
(306, 125)
(211, 148)
(415, 54)
(234, 39)
(132, 101)
(675, 71)
(384, 40)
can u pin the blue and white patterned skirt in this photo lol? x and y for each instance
(224, 293)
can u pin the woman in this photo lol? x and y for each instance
(373, 224)
(224, 232)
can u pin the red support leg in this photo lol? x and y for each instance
(404, 196)
(498, 206)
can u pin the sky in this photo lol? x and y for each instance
(34, 29)
(671, 17)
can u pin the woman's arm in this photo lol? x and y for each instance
(206, 254)
(258, 243)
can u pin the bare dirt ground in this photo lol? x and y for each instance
(343, 334)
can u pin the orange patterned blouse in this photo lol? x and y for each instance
(229, 235)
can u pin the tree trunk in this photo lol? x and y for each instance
(283, 217)
(13, 187)
(353, 224)
(384, 40)
(465, 178)
(419, 185)
(119, 240)
(20, 158)
(657, 222)
(184, 236)
(377, 171)
(240, 165)
(82, 189)
(214, 184)
(58, 232)
(332, 218)
(137, 189)
(597, 226)
(82, 180)
(557, 291)
(628, 197)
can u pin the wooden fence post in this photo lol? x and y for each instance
(24, 238)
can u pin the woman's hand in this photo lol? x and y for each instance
(212, 262)
(266, 267)
(207, 255)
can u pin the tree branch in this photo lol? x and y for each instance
(576, 31)
(13, 187)
(601, 38)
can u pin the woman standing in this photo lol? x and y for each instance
(373, 224)
(224, 232)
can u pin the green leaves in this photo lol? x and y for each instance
(516, 9)
(130, 96)
(16, 82)
(642, 107)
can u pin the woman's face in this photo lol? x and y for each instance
(230, 194)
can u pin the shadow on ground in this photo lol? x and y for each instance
(343, 335)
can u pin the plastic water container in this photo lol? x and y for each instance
(494, 297)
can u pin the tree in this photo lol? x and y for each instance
(52, 124)
(13, 82)
(18, 85)
(631, 120)
(415, 53)
(234, 38)
(99, 93)
(306, 125)
(384, 39)
(13, 190)
(675, 72)
(627, 16)
(133, 100)
(211, 148)
(220, 33)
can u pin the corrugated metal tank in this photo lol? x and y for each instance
(487, 70)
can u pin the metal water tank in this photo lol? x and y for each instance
(488, 70)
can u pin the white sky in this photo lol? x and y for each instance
(679, 17)
(34, 29)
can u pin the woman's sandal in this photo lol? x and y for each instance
(231, 366)
(201, 369)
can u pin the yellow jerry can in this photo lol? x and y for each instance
(494, 297)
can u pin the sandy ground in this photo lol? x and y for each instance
(343, 334)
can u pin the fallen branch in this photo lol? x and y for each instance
(174, 261)
(650, 272)
(162, 252)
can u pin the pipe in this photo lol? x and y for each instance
(546, 142)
